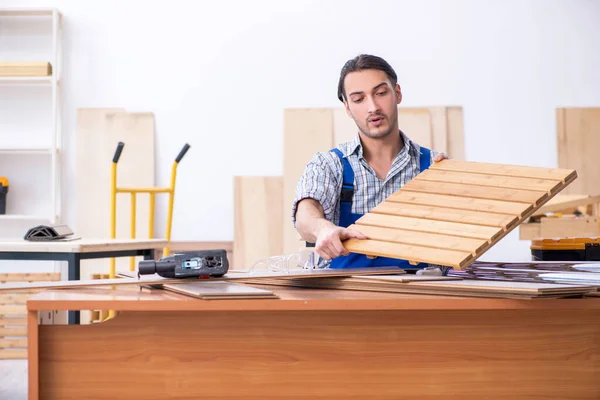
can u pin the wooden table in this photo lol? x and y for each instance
(318, 344)
(76, 250)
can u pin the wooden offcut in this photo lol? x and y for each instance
(455, 211)
(25, 68)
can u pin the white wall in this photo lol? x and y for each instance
(218, 75)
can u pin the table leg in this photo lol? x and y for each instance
(33, 370)
(74, 263)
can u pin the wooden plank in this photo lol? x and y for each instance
(429, 226)
(439, 129)
(4, 321)
(456, 140)
(25, 68)
(423, 239)
(13, 331)
(568, 227)
(98, 132)
(476, 192)
(155, 279)
(30, 277)
(306, 131)
(412, 253)
(561, 174)
(444, 214)
(257, 219)
(508, 182)
(16, 298)
(460, 203)
(13, 354)
(416, 124)
(578, 148)
(563, 202)
(13, 343)
(344, 127)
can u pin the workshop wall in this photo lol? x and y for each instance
(219, 74)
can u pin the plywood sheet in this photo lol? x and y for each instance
(344, 127)
(455, 130)
(306, 132)
(488, 201)
(98, 133)
(416, 124)
(257, 218)
(578, 143)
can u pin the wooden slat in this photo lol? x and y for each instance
(410, 252)
(21, 321)
(560, 174)
(477, 192)
(13, 343)
(460, 203)
(444, 214)
(13, 331)
(456, 139)
(29, 277)
(421, 225)
(422, 239)
(13, 354)
(509, 182)
(13, 309)
(416, 124)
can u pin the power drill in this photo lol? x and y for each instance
(195, 264)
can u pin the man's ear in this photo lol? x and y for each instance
(347, 109)
(398, 94)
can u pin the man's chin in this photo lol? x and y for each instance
(376, 133)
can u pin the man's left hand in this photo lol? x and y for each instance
(440, 157)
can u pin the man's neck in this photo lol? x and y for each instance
(382, 151)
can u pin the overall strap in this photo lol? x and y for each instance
(424, 159)
(347, 190)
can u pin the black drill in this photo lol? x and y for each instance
(195, 264)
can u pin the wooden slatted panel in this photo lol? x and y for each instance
(13, 332)
(460, 203)
(13, 321)
(444, 214)
(13, 343)
(457, 200)
(13, 354)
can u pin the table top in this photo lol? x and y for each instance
(84, 245)
(135, 298)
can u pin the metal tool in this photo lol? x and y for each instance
(196, 264)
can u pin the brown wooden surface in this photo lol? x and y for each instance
(456, 199)
(348, 351)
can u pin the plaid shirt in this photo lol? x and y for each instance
(323, 177)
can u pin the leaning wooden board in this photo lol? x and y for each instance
(455, 211)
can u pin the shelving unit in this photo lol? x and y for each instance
(54, 151)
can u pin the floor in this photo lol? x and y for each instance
(13, 379)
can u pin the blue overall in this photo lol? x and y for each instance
(347, 218)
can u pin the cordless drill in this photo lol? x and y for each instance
(195, 264)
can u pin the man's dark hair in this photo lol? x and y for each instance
(362, 62)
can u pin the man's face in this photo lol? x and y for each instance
(372, 102)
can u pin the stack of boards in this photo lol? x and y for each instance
(220, 291)
(440, 285)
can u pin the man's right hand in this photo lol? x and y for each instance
(329, 241)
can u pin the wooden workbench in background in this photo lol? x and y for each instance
(315, 344)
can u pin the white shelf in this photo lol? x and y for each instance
(39, 151)
(20, 217)
(29, 80)
(27, 12)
